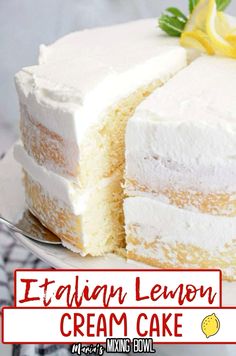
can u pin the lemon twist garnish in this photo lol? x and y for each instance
(231, 38)
(197, 39)
(210, 325)
(173, 21)
(221, 45)
(208, 30)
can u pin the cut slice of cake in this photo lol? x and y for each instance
(74, 109)
(181, 169)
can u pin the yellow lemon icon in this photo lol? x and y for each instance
(210, 325)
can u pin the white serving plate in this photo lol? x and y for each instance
(12, 205)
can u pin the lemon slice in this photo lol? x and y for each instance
(220, 44)
(197, 20)
(231, 38)
(222, 25)
(208, 30)
(197, 39)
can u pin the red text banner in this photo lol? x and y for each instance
(168, 325)
(117, 288)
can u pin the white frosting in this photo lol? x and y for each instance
(81, 75)
(153, 219)
(203, 91)
(57, 187)
(184, 134)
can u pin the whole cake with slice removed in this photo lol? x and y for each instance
(74, 109)
(128, 144)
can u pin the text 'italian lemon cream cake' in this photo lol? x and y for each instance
(74, 108)
(181, 169)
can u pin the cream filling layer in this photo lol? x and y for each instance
(65, 191)
(194, 155)
(153, 219)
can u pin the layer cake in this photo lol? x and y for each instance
(125, 98)
(74, 109)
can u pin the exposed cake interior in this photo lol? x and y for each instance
(99, 193)
(101, 174)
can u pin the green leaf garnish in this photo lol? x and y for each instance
(177, 13)
(171, 25)
(173, 20)
(192, 4)
(222, 4)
